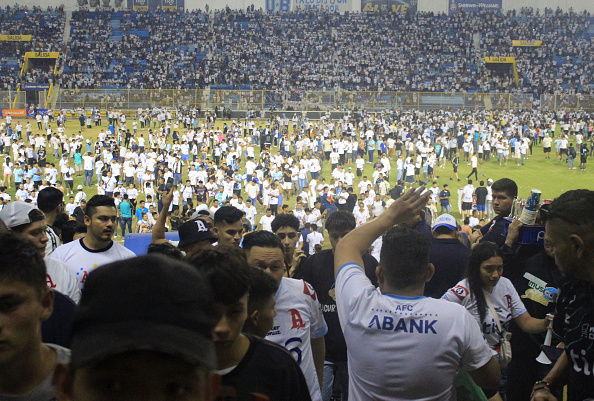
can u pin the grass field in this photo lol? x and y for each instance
(552, 176)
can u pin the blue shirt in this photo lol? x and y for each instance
(126, 209)
(139, 212)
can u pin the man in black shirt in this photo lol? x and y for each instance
(504, 191)
(448, 255)
(481, 199)
(318, 271)
(568, 233)
(248, 364)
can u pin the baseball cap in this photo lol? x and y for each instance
(489, 181)
(147, 303)
(80, 187)
(18, 213)
(194, 231)
(445, 220)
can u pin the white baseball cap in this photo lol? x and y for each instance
(17, 213)
(445, 220)
(80, 187)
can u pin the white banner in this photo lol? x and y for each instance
(327, 5)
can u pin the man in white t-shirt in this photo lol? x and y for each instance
(97, 247)
(467, 193)
(396, 338)
(299, 324)
(29, 222)
(314, 238)
(265, 222)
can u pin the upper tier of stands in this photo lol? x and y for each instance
(309, 50)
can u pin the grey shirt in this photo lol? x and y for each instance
(44, 391)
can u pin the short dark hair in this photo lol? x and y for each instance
(284, 220)
(482, 251)
(341, 220)
(228, 215)
(404, 258)
(506, 185)
(263, 239)
(574, 208)
(20, 261)
(48, 198)
(227, 271)
(262, 287)
(96, 201)
(166, 249)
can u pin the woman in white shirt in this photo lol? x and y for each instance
(484, 279)
(7, 173)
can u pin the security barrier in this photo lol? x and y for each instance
(298, 100)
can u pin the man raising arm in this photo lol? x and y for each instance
(397, 324)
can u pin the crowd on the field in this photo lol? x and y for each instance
(232, 183)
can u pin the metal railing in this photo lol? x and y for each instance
(131, 99)
(567, 102)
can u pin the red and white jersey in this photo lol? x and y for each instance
(505, 300)
(81, 260)
(298, 320)
(60, 279)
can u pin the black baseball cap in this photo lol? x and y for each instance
(193, 231)
(147, 303)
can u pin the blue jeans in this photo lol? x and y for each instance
(570, 162)
(89, 175)
(302, 184)
(370, 152)
(177, 178)
(126, 221)
(340, 371)
(445, 209)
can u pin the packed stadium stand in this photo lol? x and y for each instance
(307, 50)
(46, 28)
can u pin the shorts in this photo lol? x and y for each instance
(78, 167)
(185, 157)
(455, 169)
(287, 185)
(547, 150)
(359, 173)
(466, 205)
(563, 151)
(480, 208)
(410, 179)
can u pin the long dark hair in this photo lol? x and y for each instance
(480, 253)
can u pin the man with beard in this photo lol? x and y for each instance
(97, 247)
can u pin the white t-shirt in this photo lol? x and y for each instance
(505, 300)
(298, 320)
(60, 279)
(314, 238)
(266, 222)
(467, 194)
(396, 344)
(81, 261)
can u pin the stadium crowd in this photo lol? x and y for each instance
(46, 27)
(306, 50)
(231, 184)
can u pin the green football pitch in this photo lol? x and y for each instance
(551, 176)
